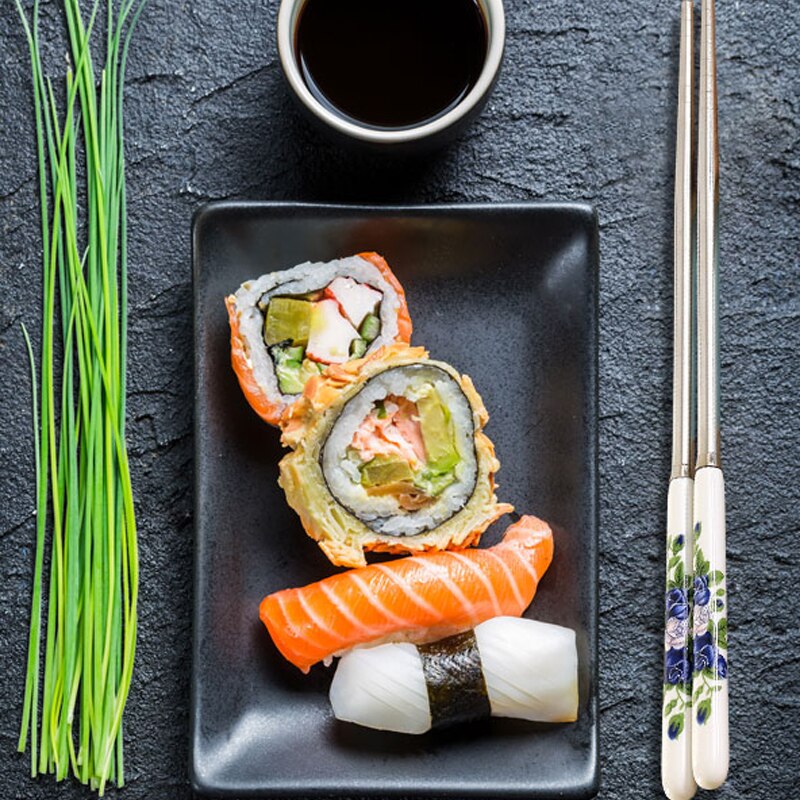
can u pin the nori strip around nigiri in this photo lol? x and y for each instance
(454, 680)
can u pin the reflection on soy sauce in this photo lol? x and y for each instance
(391, 64)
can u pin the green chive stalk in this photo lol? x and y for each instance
(75, 695)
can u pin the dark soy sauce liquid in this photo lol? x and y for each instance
(390, 63)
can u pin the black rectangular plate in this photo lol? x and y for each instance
(507, 294)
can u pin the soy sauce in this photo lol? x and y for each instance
(390, 63)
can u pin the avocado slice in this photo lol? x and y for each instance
(287, 318)
(437, 433)
(385, 470)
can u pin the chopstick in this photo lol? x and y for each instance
(710, 674)
(676, 726)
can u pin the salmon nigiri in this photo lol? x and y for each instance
(418, 599)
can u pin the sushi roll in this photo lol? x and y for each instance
(289, 326)
(419, 599)
(505, 667)
(390, 456)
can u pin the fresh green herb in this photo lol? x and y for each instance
(83, 482)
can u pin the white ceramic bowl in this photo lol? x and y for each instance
(437, 130)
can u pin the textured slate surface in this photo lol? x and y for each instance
(584, 110)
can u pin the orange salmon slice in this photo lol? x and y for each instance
(418, 598)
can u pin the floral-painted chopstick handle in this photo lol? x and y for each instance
(676, 727)
(710, 632)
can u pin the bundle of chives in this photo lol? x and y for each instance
(83, 486)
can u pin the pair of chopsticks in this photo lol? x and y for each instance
(694, 750)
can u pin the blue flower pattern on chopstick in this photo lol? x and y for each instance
(709, 631)
(677, 652)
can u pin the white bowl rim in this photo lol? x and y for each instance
(495, 19)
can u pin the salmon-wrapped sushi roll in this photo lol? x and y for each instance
(288, 326)
(390, 456)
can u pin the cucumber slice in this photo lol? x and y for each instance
(370, 328)
(357, 348)
(286, 351)
(289, 364)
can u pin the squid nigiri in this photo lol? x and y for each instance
(419, 598)
(506, 667)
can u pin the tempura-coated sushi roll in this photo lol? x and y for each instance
(390, 456)
(505, 667)
(289, 326)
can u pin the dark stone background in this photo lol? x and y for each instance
(584, 110)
